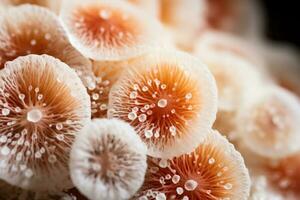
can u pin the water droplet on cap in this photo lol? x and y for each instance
(190, 185)
(5, 111)
(162, 103)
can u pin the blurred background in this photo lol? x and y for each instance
(280, 21)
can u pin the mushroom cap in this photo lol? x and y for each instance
(170, 98)
(151, 7)
(110, 29)
(283, 175)
(43, 105)
(184, 20)
(29, 29)
(108, 160)
(215, 42)
(235, 78)
(214, 170)
(269, 122)
(53, 5)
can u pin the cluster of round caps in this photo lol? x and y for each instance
(29, 29)
(64, 65)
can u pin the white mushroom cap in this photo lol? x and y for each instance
(30, 29)
(110, 29)
(108, 160)
(269, 122)
(170, 98)
(43, 105)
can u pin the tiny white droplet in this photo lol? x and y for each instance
(228, 186)
(3, 139)
(160, 196)
(132, 116)
(163, 163)
(40, 96)
(104, 14)
(60, 137)
(5, 111)
(179, 190)
(33, 42)
(175, 179)
(148, 133)
(103, 106)
(162, 103)
(22, 96)
(59, 126)
(190, 185)
(133, 95)
(142, 118)
(38, 154)
(145, 89)
(188, 96)
(95, 96)
(211, 161)
(172, 130)
(28, 173)
(185, 198)
(163, 86)
(34, 115)
(5, 151)
(47, 36)
(18, 109)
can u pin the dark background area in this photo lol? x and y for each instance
(282, 20)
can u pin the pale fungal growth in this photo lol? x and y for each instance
(184, 20)
(110, 29)
(221, 42)
(214, 170)
(151, 7)
(29, 29)
(108, 160)
(235, 79)
(170, 98)
(261, 189)
(53, 5)
(283, 175)
(106, 73)
(269, 122)
(43, 105)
